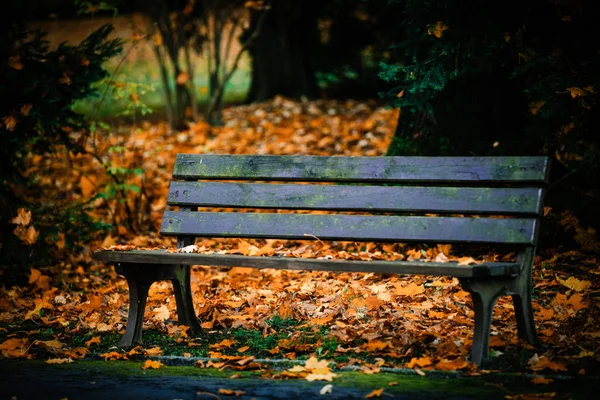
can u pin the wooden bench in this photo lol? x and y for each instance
(489, 200)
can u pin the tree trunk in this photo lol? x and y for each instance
(281, 54)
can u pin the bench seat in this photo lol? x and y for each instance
(308, 264)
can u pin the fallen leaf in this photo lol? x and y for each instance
(374, 393)
(575, 284)
(151, 364)
(230, 392)
(326, 389)
(59, 361)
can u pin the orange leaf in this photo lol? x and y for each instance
(25, 109)
(230, 392)
(453, 365)
(35, 274)
(374, 393)
(94, 340)
(15, 62)
(419, 362)
(410, 290)
(151, 364)
(575, 284)
(10, 122)
(23, 217)
(182, 78)
(541, 381)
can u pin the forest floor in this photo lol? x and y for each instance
(76, 311)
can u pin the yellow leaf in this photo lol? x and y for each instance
(157, 39)
(575, 284)
(203, 89)
(151, 364)
(374, 393)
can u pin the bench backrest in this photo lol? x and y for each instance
(466, 194)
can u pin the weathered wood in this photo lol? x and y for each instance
(351, 227)
(357, 198)
(304, 264)
(362, 169)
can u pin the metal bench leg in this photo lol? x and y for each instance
(484, 293)
(521, 297)
(183, 298)
(139, 282)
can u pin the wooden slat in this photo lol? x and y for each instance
(302, 264)
(350, 227)
(357, 198)
(362, 169)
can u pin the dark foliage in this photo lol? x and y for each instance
(491, 78)
(38, 87)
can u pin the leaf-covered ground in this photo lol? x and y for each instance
(70, 311)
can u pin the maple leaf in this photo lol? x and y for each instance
(154, 351)
(437, 30)
(411, 289)
(23, 217)
(223, 344)
(161, 313)
(575, 284)
(34, 275)
(419, 362)
(113, 355)
(538, 363)
(374, 393)
(151, 364)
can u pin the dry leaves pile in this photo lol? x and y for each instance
(417, 322)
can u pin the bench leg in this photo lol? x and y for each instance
(484, 293)
(521, 297)
(183, 298)
(139, 282)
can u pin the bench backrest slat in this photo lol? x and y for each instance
(357, 198)
(433, 170)
(518, 231)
